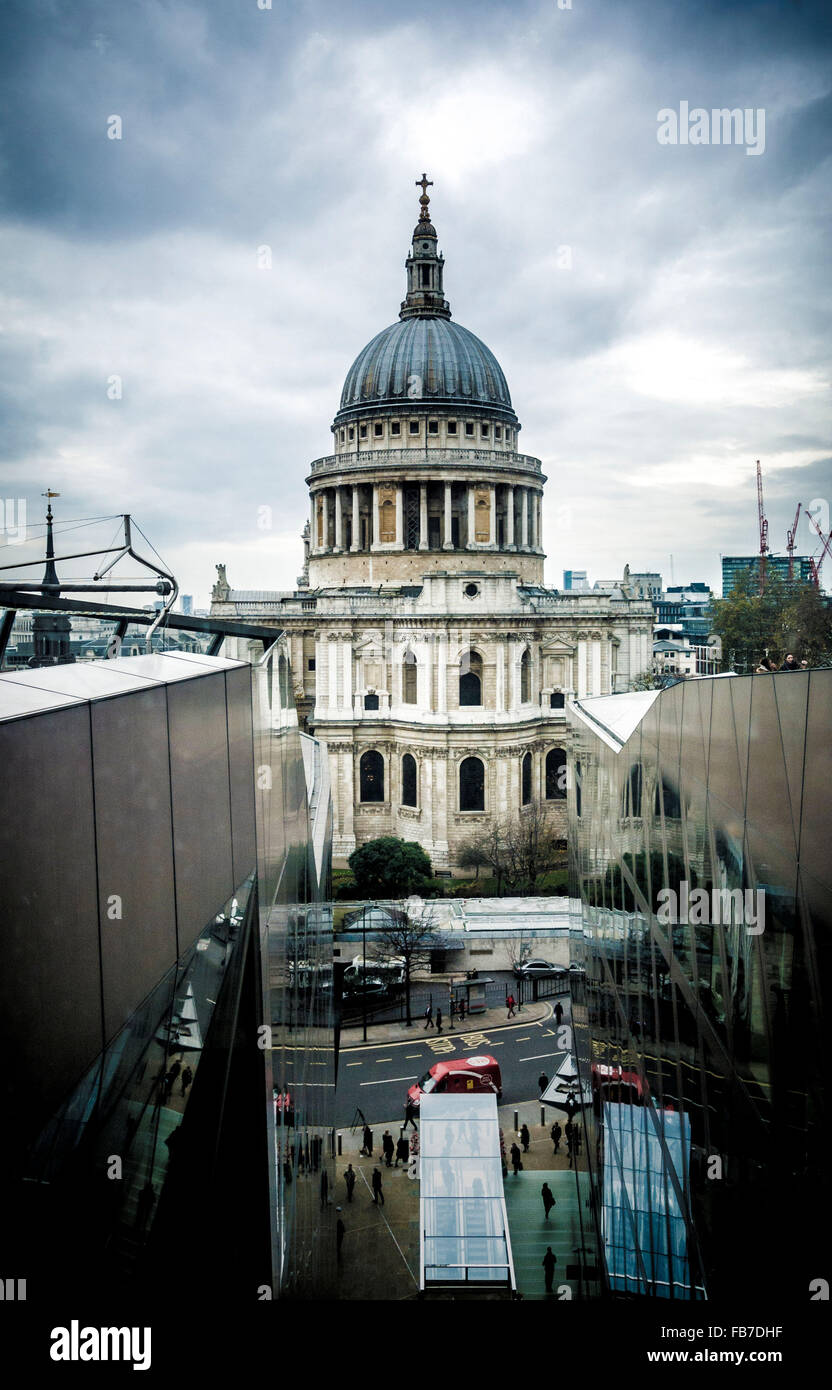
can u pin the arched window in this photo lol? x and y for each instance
(410, 781)
(669, 795)
(526, 779)
(471, 785)
(632, 791)
(371, 776)
(555, 774)
(409, 678)
(470, 679)
(525, 678)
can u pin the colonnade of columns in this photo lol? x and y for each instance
(479, 513)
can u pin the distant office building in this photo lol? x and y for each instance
(575, 580)
(164, 828)
(779, 564)
(187, 604)
(699, 849)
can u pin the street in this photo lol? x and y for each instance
(376, 1078)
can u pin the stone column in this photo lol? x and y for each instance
(399, 516)
(471, 519)
(492, 515)
(524, 518)
(339, 521)
(424, 684)
(513, 675)
(332, 662)
(448, 543)
(346, 700)
(501, 673)
(442, 675)
(356, 522)
(509, 537)
(374, 519)
(423, 516)
(325, 505)
(313, 522)
(532, 519)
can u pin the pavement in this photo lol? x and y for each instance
(380, 1252)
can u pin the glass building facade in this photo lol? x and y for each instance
(164, 849)
(699, 859)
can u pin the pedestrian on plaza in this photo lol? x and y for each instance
(525, 1137)
(571, 1105)
(388, 1148)
(461, 1010)
(549, 1261)
(324, 1187)
(558, 1013)
(510, 1005)
(377, 1192)
(402, 1150)
(367, 1149)
(516, 1160)
(175, 1069)
(556, 1133)
(548, 1199)
(576, 1138)
(409, 1113)
(438, 1019)
(542, 1082)
(340, 1230)
(569, 1131)
(790, 664)
(187, 1078)
(428, 1017)
(349, 1179)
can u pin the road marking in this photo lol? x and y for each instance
(355, 1064)
(386, 1079)
(521, 1039)
(408, 1056)
(537, 1056)
(383, 1059)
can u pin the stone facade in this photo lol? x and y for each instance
(426, 653)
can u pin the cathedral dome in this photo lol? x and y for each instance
(426, 359)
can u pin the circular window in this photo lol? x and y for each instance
(471, 590)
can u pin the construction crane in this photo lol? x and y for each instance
(791, 542)
(763, 528)
(815, 565)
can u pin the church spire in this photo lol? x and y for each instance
(425, 266)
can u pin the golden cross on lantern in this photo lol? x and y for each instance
(49, 493)
(424, 183)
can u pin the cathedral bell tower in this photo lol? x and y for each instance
(424, 265)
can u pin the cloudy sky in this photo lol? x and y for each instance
(661, 311)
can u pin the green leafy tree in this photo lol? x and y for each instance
(806, 627)
(785, 618)
(391, 868)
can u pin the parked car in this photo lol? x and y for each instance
(540, 969)
(474, 1075)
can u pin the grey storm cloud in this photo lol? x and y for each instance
(661, 312)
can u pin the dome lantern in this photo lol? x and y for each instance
(425, 265)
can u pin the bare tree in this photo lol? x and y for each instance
(531, 845)
(409, 936)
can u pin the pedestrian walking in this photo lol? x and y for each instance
(340, 1231)
(402, 1150)
(569, 1131)
(571, 1105)
(542, 1082)
(377, 1192)
(558, 1013)
(548, 1198)
(409, 1114)
(549, 1261)
(556, 1133)
(388, 1148)
(461, 1010)
(510, 1006)
(516, 1160)
(324, 1187)
(187, 1078)
(349, 1179)
(429, 1017)
(525, 1138)
(438, 1019)
(367, 1148)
